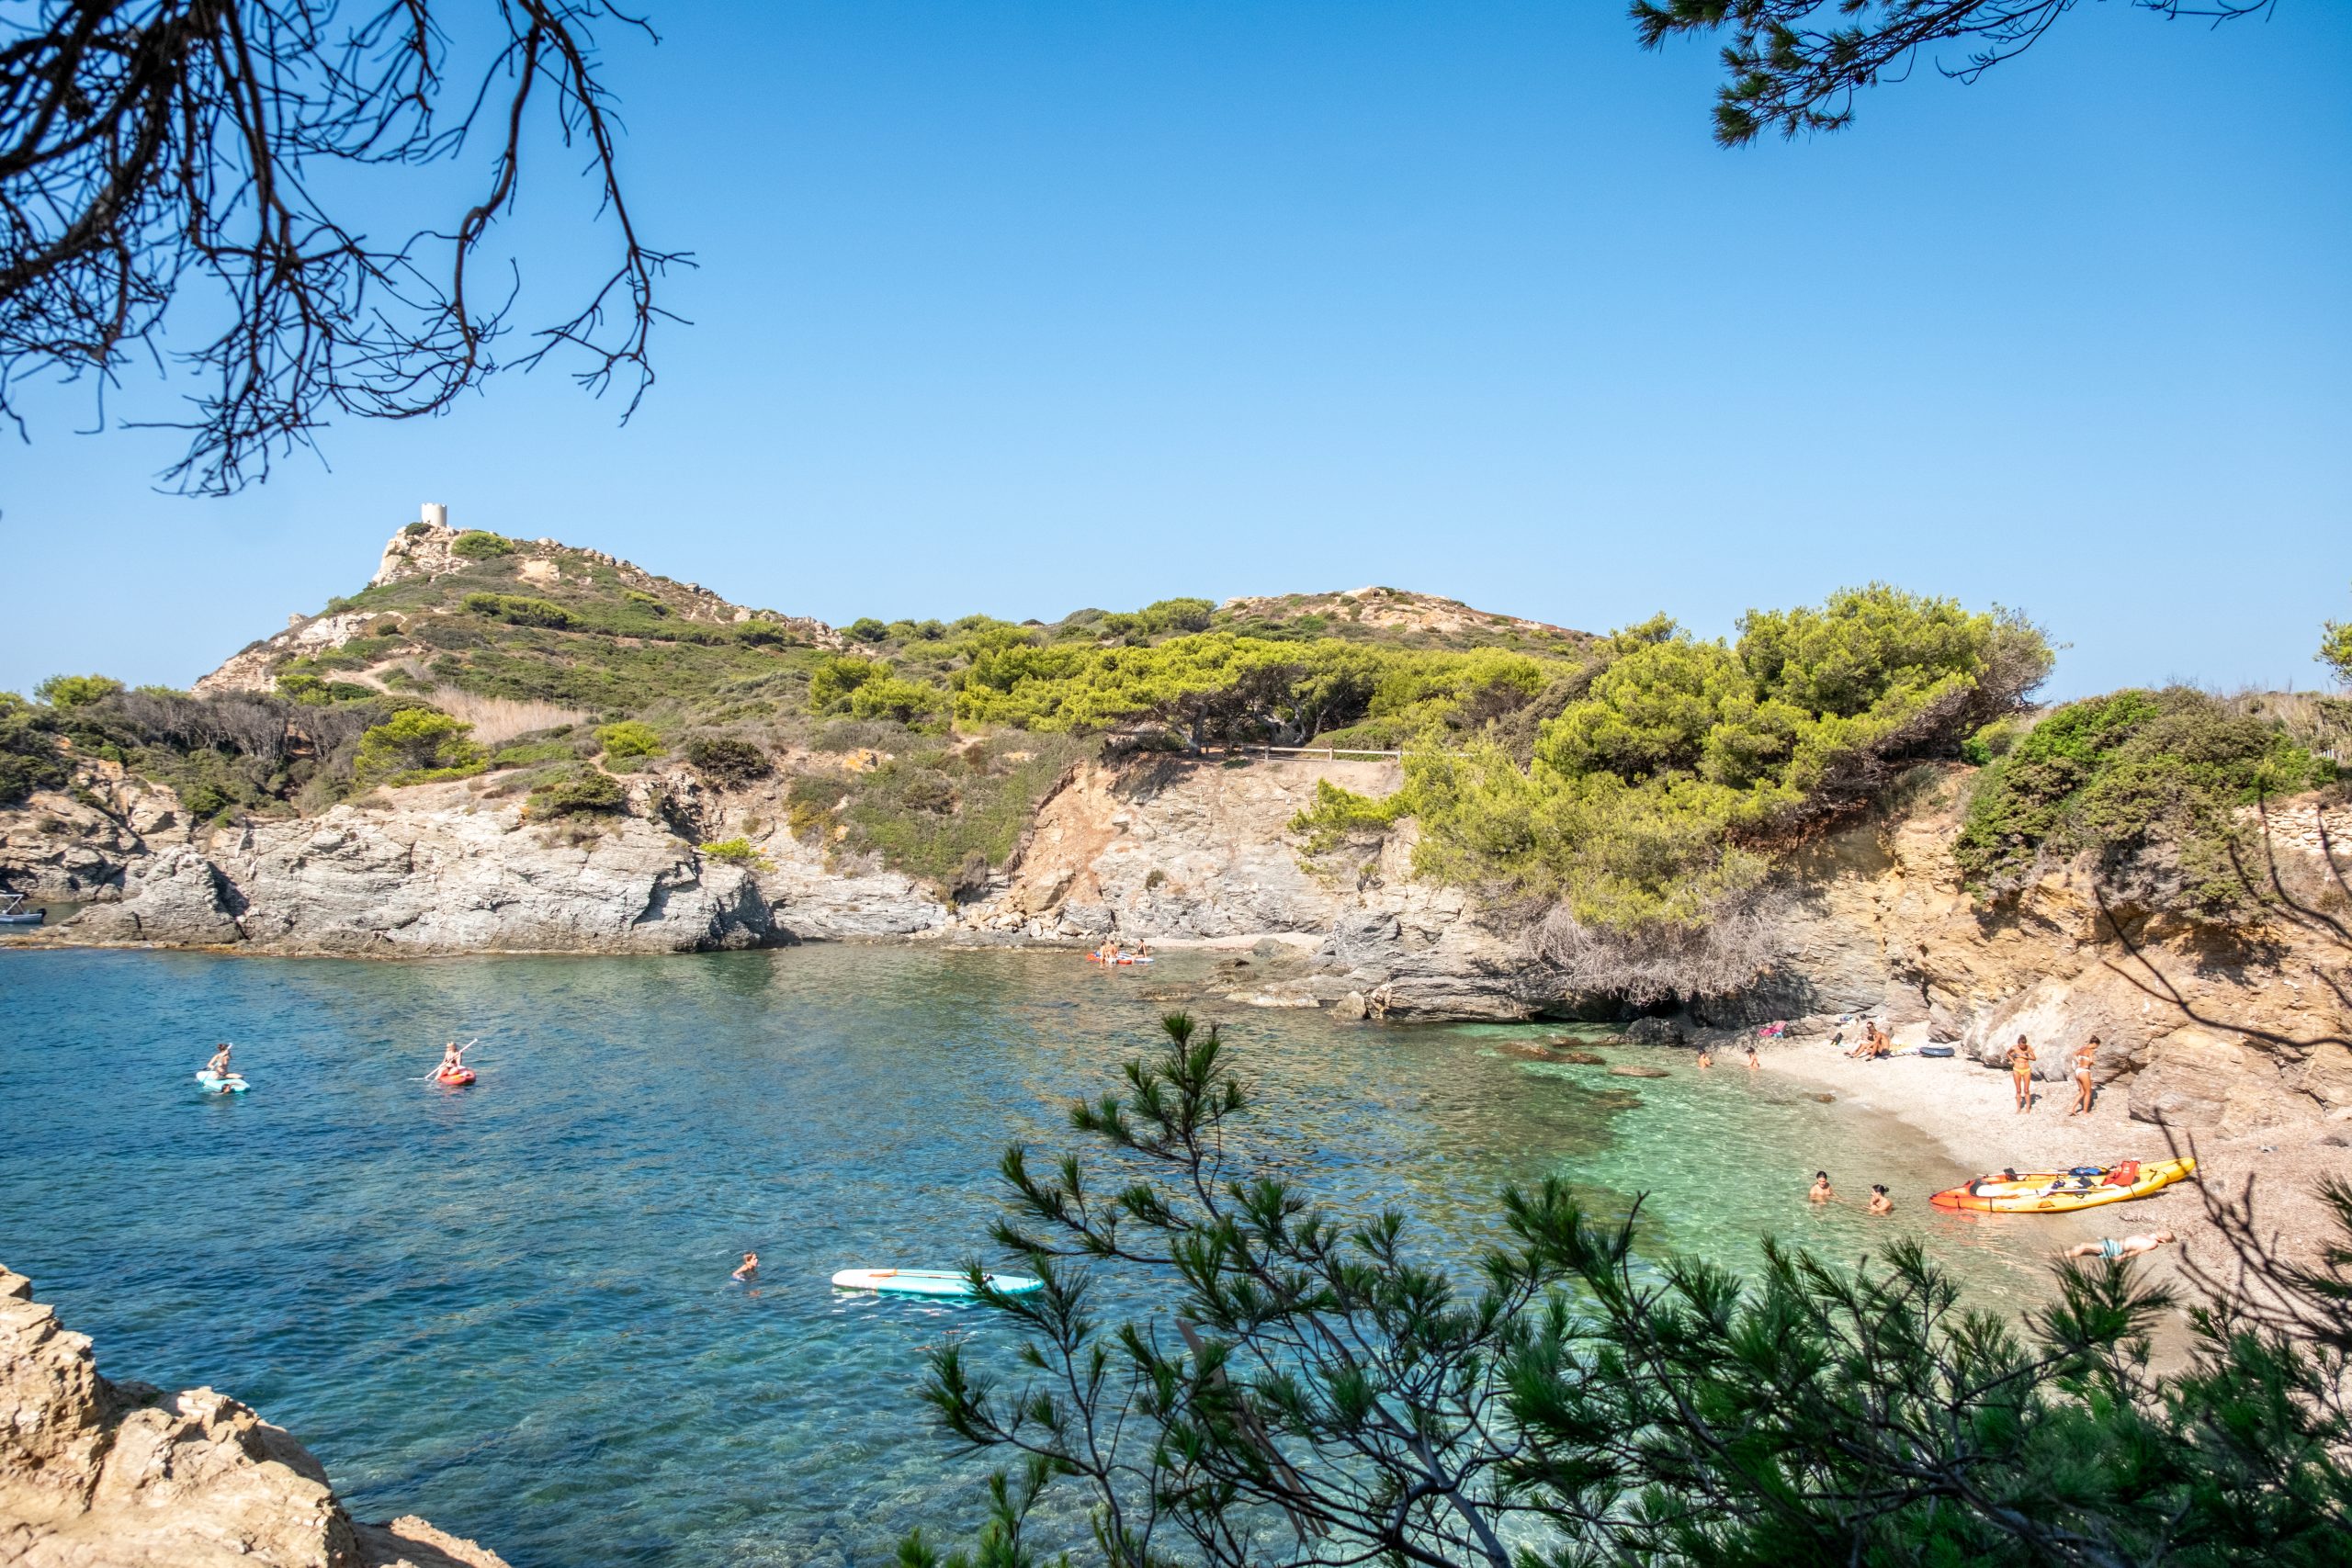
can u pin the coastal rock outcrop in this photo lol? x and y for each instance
(95, 1473)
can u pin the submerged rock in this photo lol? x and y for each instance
(101, 1474)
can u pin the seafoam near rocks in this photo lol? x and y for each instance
(101, 1474)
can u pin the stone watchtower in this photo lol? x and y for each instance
(420, 549)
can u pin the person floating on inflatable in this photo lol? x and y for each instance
(453, 1068)
(219, 1067)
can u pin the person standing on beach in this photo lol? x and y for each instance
(2021, 1072)
(2085, 1092)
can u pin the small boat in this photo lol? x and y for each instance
(218, 1083)
(929, 1282)
(2063, 1191)
(13, 913)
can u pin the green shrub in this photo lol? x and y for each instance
(903, 702)
(532, 753)
(865, 628)
(417, 530)
(29, 757)
(735, 852)
(809, 803)
(2117, 776)
(644, 602)
(831, 683)
(588, 793)
(519, 609)
(76, 691)
(2335, 648)
(764, 634)
(416, 746)
(1647, 797)
(475, 544)
(629, 739)
(726, 760)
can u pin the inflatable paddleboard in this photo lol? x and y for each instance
(928, 1282)
(458, 1079)
(214, 1083)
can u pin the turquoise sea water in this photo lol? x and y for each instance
(507, 1308)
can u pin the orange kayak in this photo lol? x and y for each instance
(2061, 1192)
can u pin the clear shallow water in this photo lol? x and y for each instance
(507, 1308)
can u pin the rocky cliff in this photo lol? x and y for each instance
(2210, 1028)
(95, 1473)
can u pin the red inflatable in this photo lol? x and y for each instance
(458, 1079)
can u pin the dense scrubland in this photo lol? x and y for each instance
(1643, 783)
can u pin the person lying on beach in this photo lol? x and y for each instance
(2113, 1247)
(1880, 1202)
(219, 1067)
(2085, 1091)
(747, 1270)
(1821, 1192)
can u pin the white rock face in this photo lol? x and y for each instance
(97, 1474)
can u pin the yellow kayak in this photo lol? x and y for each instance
(2060, 1192)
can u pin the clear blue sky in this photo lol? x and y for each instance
(1021, 307)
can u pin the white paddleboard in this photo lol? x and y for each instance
(928, 1282)
(215, 1084)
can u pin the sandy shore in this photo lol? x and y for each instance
(1971, 1111)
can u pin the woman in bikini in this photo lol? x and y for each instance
(1880, 1202)
(219, 1067)
(2021, 1073)
(2085, 1091)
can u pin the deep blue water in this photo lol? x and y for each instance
(507, 1308)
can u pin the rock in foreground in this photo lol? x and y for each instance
(100, 1474)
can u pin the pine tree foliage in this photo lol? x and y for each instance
(1315, 1393)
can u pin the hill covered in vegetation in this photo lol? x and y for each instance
(1642, 784)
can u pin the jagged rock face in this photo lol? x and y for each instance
(97, 1474)
(439, 870)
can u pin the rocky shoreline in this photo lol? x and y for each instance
(2209, 1032)
(96, 1474)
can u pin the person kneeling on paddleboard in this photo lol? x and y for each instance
(219, 1067)
(453, 1060)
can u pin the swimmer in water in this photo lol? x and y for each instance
(1880, 1202)
(1754, 1061)
(749, 1269)
(1706, 1058)
(1821, 1192)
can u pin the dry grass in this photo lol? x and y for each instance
(500, 719)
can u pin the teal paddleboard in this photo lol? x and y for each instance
(928, 1282)
(214, 1083)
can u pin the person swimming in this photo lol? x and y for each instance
(1706, 1056)
(1822, 1192)
(748, 1270)
(1880, 1202)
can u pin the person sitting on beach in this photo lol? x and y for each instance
(1821, 1192)
(1880, 1202)
(2115, 1247)
(1868, 1041)
(747, 1270)
(219, 1067)
(2021, 1073)
(2084, 1091)
(1754, 1061)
